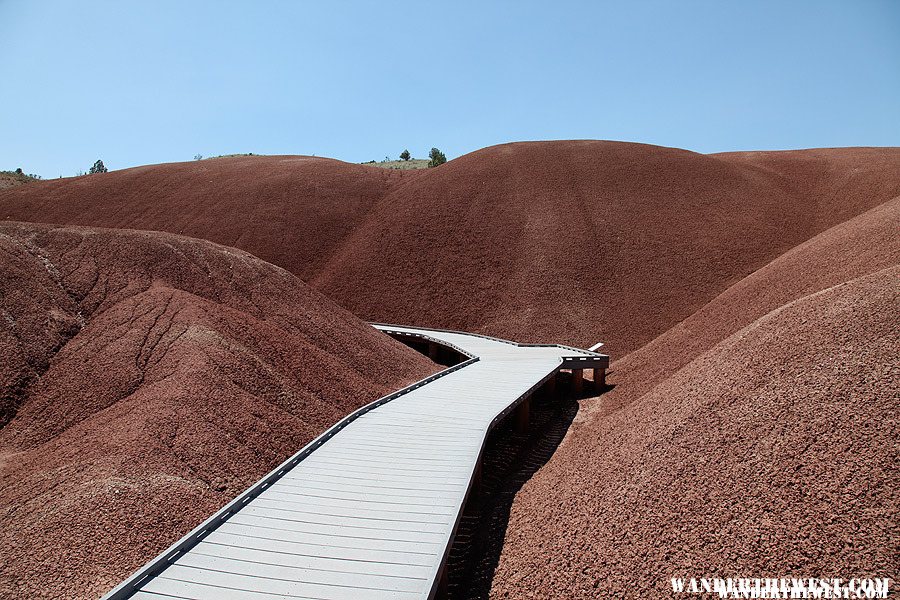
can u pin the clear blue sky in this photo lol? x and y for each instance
(145, 82)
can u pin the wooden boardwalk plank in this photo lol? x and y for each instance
(369, 509)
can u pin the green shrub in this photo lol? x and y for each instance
(437, 158)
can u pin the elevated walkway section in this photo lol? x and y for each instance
(370, 508)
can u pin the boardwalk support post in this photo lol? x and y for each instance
(443, 588)
(599, 378)
(578, 381)
(474, 498)
(550, 387)
(523, 415)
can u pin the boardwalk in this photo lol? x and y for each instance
(370, 508)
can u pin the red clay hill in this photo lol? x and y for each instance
(146, 380)
(749, 301)
(758, 438)
(574, 241)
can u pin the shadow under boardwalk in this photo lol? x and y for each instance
(510, 460)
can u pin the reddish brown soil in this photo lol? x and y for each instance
(580, 242)
(551, 241)
(292, 211)
(750, 299)
(757, 438)
(146, 380)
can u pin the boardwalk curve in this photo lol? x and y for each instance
(370, 508)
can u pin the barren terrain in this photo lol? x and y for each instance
(572, 242)
(756, 438)
(749, 301)
(146, 380)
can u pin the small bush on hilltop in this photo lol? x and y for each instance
(20, 175)
(98, 167)
(437, 158)
(405, 155)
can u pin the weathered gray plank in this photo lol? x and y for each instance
(370, 511)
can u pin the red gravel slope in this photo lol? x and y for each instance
(583, 241)
(292, 211)
(146, 380)
(573, 241)
(757, 438)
